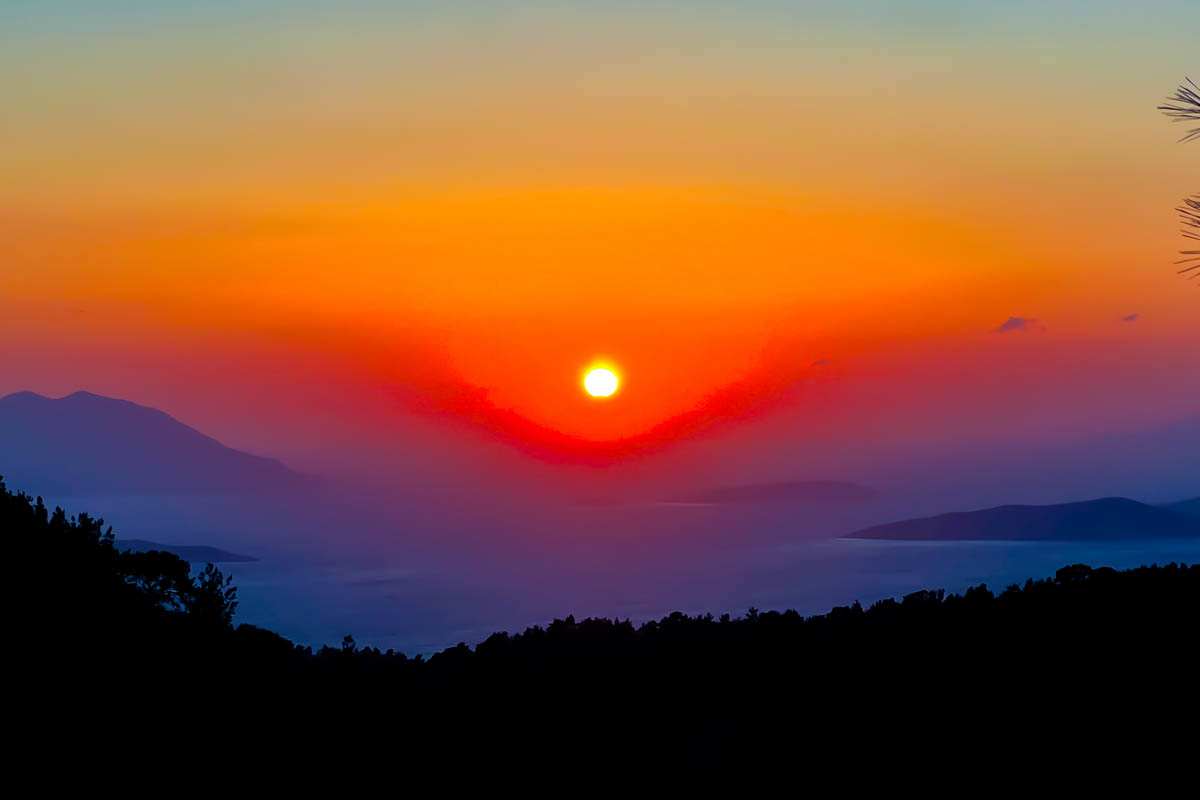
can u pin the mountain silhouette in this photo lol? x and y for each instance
(1186, 506)
(1106, 519)
(784, 492)
(84, 443)
(194, 553)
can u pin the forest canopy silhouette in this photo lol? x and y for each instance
(149, 618)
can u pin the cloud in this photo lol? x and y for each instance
(1130, 317)
(1017, 324)
(823, 362)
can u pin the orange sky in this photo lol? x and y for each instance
(479, 206)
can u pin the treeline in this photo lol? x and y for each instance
(143, 619)
(76, 571)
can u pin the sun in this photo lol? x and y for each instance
(600, 382)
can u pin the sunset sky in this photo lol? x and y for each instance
(288, 223)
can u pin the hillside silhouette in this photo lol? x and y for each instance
(84, 443)
(1107, 519)
(148, 623)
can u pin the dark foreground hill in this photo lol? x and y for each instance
(138, 639)
(1108, 519)
(84, 443)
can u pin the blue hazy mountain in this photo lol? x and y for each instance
(195, 553)
(1106, 519)
(1186, 506)
(84, 443)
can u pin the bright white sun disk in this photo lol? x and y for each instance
(600, 382)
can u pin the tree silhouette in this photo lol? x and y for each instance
(212, 597)
(1184, 106)
(1189, 215)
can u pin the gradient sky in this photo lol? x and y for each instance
(284, 222)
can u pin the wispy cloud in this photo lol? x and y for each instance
(1017, 324)
(1130, 317)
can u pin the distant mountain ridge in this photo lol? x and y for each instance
(824, 491)
(1106, 519)
(195, 553)
(84, 443)
(1185, 506)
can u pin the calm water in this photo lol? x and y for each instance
(417, 610)
(421, 576)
